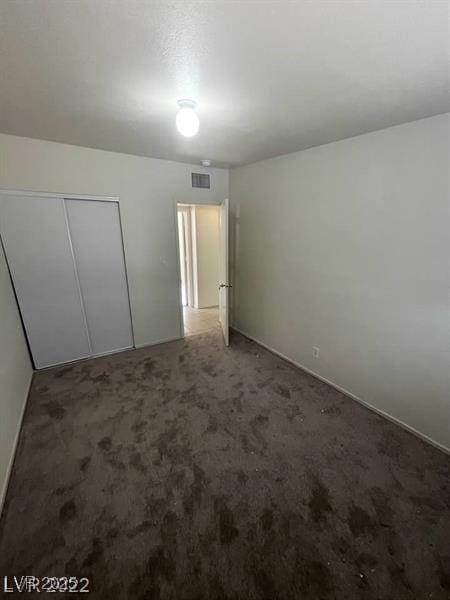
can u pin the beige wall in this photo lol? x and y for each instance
(15, 374)
(148, 190)
(346, 247)
(207, 255)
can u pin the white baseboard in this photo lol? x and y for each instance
(163, 341)
(111, 352)
(77, 361)
(347, 393)
(14, 448)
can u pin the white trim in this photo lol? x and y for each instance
(163, 341)
(380, 412)
(189, 263)
(83, 359)
(60, 195)
(109, 352)
(193, 241)
(5, 485)
(194, 262)
(177, 243)
(62, 364)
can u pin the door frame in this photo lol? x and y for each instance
(63, 196)
(191, 203)
(188, 249)
(224, 286)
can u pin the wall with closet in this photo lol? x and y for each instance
(148, 190)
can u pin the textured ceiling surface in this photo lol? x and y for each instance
(269, 77)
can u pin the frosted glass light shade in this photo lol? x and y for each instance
(187, 120)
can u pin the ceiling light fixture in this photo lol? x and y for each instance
(206, 162)
(187, 120)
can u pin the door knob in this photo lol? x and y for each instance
(224, 285)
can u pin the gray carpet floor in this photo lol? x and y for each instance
(190, 471)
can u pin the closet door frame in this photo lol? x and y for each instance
(63, 197)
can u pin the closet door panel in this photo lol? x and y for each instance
(37, 246)
(97, 242)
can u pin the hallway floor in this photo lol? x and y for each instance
(192, 471)
(200, 320)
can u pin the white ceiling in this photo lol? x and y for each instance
(270, 77)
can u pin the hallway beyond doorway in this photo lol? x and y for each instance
(200, 320)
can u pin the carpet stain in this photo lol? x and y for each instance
(105, 443)
(55, 410)
(141, 528)
(68, 511)
(360, 522)
(284, 391)
(96, 553)
(319, 502)
(63, 372)
(267, 519)
(227, 528)
(149, 366)
(136, 461)
(265, 584)
(84, 463)
(316, 581)
(161, 565)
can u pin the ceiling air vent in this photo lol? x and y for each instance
(200, 180)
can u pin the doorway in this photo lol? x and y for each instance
(200, 249)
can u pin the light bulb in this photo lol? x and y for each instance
(187, 120)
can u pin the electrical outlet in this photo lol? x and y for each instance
(316, 351)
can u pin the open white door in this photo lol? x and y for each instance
(224, 283)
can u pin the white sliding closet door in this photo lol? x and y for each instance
(37, 246)
(97, 244)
